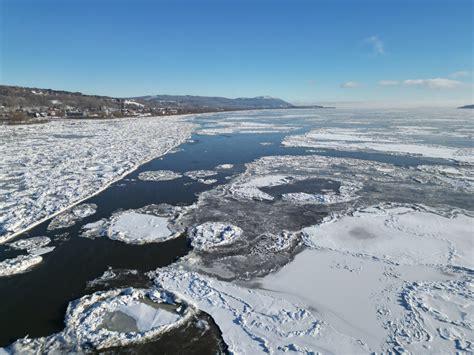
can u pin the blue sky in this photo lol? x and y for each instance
(302, 51)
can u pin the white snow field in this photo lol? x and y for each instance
(256, 322)
(45, 168)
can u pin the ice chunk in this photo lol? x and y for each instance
(112, 318)
(213, 235)
(72, 216)
(18, 265)
(196, 174)
(159, 175)
(224, 166)
(30, 244)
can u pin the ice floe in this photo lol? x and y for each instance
(233, 127)
(35, 248)
(19, 264)
(159, 175)
(355, 139)
(131, 227)
(30, 244)
(72, 216)
(211, 235)
(47, 167)
(197, 174)
(111, 319)
(224, 166)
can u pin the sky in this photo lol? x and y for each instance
(306, 52)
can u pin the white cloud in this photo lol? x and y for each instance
(461, 74)
(388, 82)
(435, 83)
(350, 84)
(377, 44)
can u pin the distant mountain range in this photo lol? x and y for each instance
(467, 106)
(205, 102)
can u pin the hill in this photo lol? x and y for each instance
(22, 103)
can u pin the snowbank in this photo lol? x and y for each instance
(45, 168)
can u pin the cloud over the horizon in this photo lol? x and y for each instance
(461, 74)
(377, 44)
(388, 82)
(350, 84)
(434, 83)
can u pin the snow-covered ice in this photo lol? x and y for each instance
(213, 235)
(402, 237)
(19, 264)
(159, 175)
(30, 244)
(71, 216)
(35, 248)
(255, 322)
(376, 141)
(131, 227)
(224, 166)
(196, 174)
(232, 127)
(112, 318)
(45, 168)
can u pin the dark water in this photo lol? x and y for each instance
(34, 303)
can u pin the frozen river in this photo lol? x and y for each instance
(264, 231)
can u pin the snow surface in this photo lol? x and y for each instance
(44, 168)
(402, 237)
(212, 235)
(131, 227)
(255, 322)
(159, 175)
